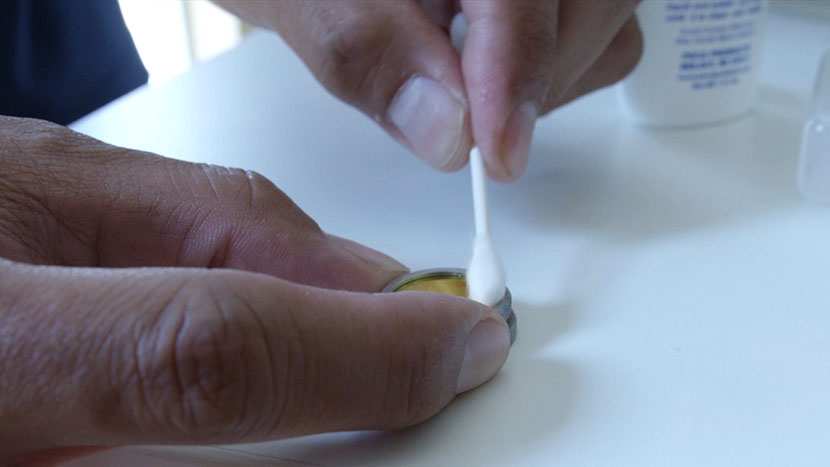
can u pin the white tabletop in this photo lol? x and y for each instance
(671, 288)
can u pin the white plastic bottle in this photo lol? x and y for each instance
(700, 61)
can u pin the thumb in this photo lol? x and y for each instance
(152, 355)
(388, 59)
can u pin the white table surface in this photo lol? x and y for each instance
(672, 289)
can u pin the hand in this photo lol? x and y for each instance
(250, 323)
(394, 61)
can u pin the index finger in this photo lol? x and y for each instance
(76, 201)
(521, 55)
(507, 63)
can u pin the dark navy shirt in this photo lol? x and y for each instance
(61, 59)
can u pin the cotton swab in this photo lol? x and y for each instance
(485, 275)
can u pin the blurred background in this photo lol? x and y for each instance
(173, 35)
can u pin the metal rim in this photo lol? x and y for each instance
(503, 307)
(434, 273)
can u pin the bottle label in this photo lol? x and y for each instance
(716, 38)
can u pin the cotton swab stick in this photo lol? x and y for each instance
(485, 275)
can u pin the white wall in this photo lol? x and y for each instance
(173, 35)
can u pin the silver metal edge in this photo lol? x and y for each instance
(504, 307)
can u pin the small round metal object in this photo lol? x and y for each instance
(451, 281)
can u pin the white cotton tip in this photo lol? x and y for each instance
(485, 276)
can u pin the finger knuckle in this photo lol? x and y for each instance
(261, 192)
(246, 193)
(355, 58)
(192, 371)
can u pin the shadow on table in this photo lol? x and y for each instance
(527, 403)
(644, 182)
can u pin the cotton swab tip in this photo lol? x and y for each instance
(485, 275)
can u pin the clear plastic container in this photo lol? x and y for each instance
(814, 161)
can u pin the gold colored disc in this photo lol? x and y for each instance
(446, 285)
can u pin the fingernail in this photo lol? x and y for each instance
(515, 145)
(373, 257)
(487, 347)
(430, 119)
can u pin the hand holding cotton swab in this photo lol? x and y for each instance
(485, 275)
